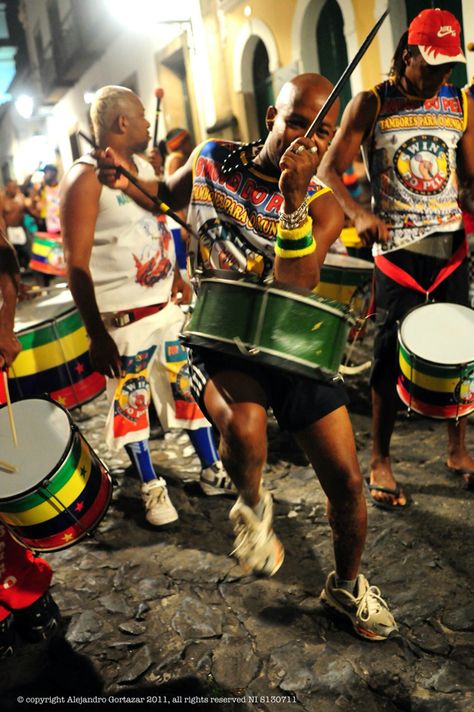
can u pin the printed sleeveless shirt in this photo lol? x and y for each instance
(236, 216)
(132, 260)
(412, 163)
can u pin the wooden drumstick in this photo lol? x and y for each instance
(10, 409)
(7, 466)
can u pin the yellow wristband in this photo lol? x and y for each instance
(298, 232)
(289, 254)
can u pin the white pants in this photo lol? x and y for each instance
(154, 366)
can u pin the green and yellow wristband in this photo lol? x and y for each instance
(298, 242)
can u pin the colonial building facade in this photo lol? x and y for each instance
(220, 63)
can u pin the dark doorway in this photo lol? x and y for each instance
(262, 84)
(331, 46)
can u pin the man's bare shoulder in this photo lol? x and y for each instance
(364, 105)
(80, 177)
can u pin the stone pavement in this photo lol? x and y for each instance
(168, 619)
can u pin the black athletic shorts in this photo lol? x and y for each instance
(296, 401)
(392, 302)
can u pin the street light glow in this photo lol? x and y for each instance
(24, 105)
(140, 14)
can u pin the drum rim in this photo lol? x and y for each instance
(264, 350)
(73, 430)
(366, 265)
(48, 320)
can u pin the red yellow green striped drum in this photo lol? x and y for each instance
(47, 255)
(436, 360)
(295, 331)
(55, 355)
(60, 490)
(342, 276)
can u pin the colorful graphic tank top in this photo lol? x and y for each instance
(133, 257)
(236, 216)
(412, 163)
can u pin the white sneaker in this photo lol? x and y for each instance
(366, 609)
(158, 506)
(215, 480)
(256, 546)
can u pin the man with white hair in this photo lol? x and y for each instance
(122, 274)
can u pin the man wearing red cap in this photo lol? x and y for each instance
(417, 133)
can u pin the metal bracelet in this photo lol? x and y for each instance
(291, 221)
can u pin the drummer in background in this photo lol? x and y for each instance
(418, 134)
(26, 606)
(124, 280)
(298, 219)
(13, 209)
(49, 200)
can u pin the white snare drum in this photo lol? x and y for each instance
(436, 360)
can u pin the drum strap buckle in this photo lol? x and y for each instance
(123, 318)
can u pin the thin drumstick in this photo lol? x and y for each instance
(10, 409)
(7, 466)
(339, 86)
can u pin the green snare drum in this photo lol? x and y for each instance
(296, 331)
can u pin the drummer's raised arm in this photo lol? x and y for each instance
(356, 125)
(175, 192)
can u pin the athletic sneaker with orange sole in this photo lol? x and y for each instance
(366, 609)
(256, 545)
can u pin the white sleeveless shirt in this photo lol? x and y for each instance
(133, 258)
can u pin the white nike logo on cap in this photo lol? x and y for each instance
(446, 30)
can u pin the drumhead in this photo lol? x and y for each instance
(43, 432)
(40, 309)
(333, 259)
(440, 333)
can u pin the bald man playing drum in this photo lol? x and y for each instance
(260, 212)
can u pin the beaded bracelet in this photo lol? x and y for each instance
(290, 221)
(297, 242)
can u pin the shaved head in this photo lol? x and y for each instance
(297, 105)
(297, 89)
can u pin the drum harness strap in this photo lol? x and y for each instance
(406, 280)
(122, 318)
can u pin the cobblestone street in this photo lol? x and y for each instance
(161, 617)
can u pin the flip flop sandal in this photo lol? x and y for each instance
(395, 492)
(461, 472)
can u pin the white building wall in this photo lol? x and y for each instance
(123, 58)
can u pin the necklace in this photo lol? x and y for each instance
(241, 156)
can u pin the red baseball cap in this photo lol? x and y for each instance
(437, 34)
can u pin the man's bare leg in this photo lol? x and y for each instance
(458, 456)
(384, 413)
(237, 405)
(330, 447)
